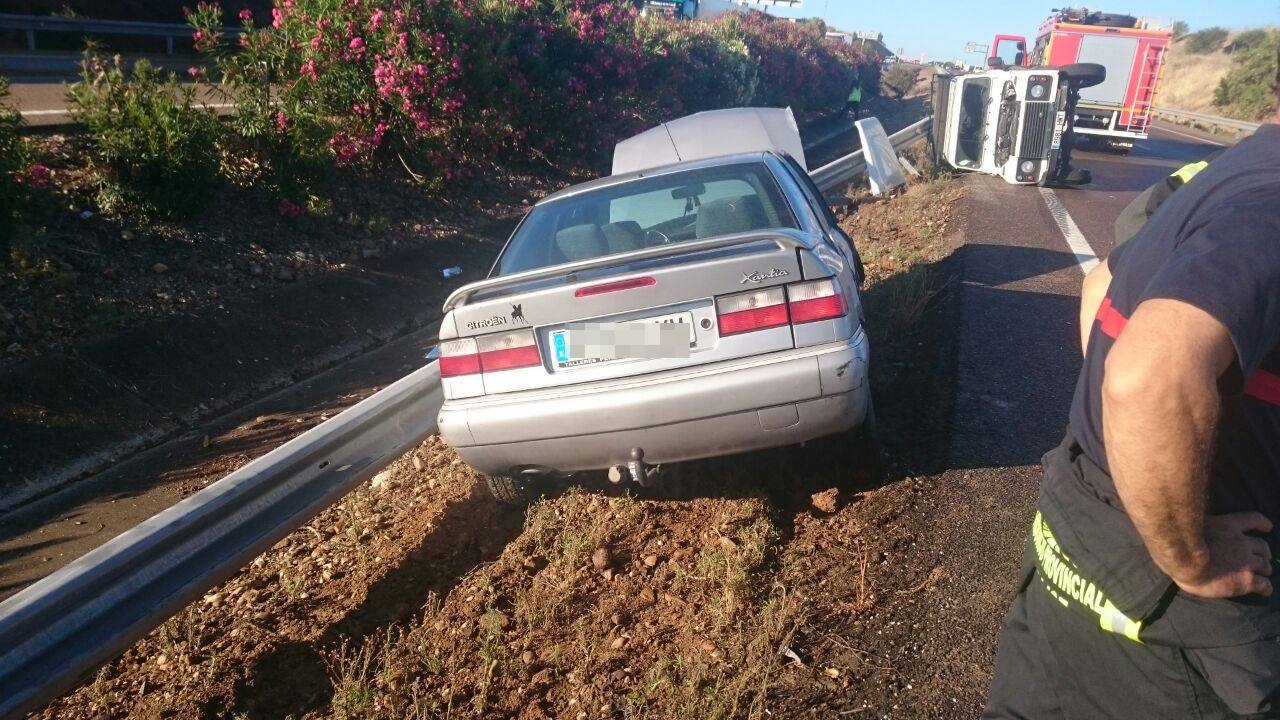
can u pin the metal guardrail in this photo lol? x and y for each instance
(31, 24)
(842, 171)
(57, 630)
(1212, 123)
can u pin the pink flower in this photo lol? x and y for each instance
(288, 208)
(309, 69)
(246, 15)
(282, 120)
(194, 71)
(356, 46)
(36, 174)
(375, 20)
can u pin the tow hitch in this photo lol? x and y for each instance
(635, 470)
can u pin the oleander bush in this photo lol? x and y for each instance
(799, 67)
(442, 87)
(17, 173)
(153, 146)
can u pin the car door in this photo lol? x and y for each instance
(836, 237)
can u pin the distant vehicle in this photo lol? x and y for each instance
(1009, 122)
(701, 301)
(1118, 111)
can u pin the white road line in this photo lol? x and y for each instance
(64, 111)
(1191, 137)
(1085, 255)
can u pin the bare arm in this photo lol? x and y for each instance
(1160, 407)
(1091, 295)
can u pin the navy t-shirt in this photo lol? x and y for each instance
(1215, 244)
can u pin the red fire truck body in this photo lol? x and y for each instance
(1119, 109)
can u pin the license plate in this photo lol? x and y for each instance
(661, 336)
(1059, 123)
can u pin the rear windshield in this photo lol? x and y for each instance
(670, 208)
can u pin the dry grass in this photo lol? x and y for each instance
(605, 606)
(899, 241)
(1189, 79)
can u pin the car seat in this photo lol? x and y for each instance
(624, 236)
(729, 215)
(578, 242)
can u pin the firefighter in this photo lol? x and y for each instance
(1136, 213)
(1146, 589)
(855, 97)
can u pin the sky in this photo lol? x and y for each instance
(940, 28)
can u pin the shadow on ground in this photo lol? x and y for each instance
(293, 678)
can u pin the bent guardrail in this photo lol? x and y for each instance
(1212, 123)
(843, 170)
(59, 629)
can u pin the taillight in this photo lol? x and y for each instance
(755, 310)
(814, 300)
(488, 353)
(459, 357)
(507, 351)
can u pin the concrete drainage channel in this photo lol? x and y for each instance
(55, 632)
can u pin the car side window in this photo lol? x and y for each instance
(817, 202)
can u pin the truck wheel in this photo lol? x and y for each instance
(1083, 75)
(510, 490)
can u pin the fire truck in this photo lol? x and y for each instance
(1117, 111)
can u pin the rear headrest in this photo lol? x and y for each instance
(624, 236)
(730, 215)
(580, 242)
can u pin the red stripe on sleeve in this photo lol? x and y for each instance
(1264, 386)
(1110, 321)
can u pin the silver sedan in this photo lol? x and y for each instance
(692, 310)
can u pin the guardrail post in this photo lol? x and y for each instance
(31, 39)
(168, 44)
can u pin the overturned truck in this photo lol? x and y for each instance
(1012, 122)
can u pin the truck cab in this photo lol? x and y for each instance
(1002, 121)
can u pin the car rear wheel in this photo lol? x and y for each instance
(510, 490)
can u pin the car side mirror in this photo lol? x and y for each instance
(995, 63)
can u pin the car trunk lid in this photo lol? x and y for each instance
(663, 305)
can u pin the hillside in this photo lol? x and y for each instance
(1190, 79)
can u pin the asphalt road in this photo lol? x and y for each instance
(1017, 361)
(44, 103)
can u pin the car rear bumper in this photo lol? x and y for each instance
(779, 399)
